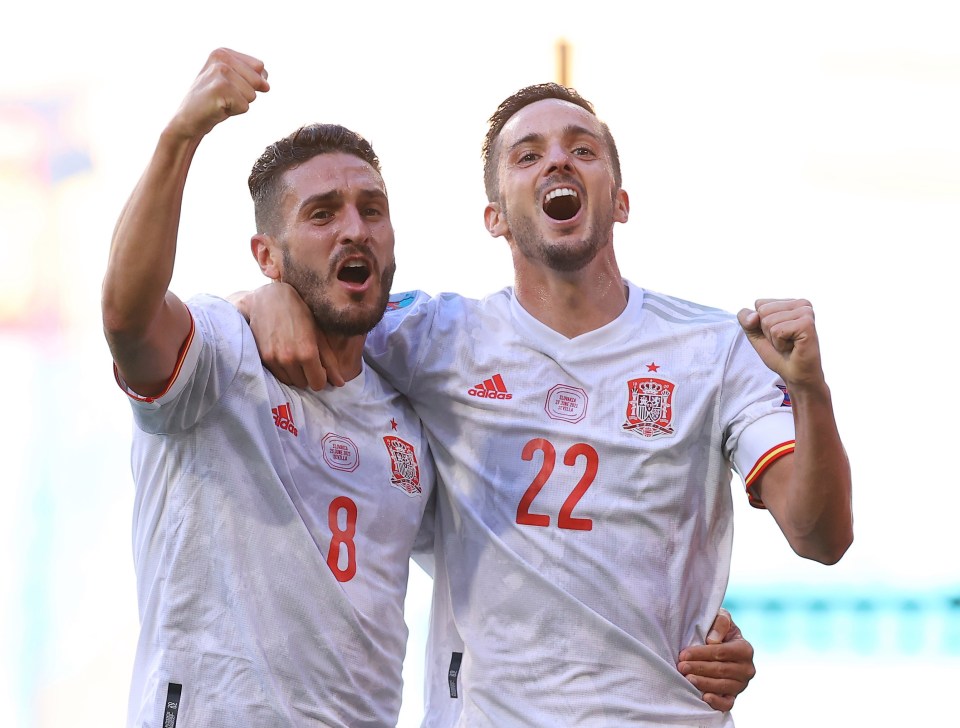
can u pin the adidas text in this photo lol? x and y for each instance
(284, 424)
(489, 394)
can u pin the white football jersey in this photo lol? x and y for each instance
(584, 506)
(272, 534)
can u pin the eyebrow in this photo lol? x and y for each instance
(322, 199)
(568, 130)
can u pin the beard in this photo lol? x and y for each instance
(352, 319)
(563, 257)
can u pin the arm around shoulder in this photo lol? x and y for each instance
(290, 344)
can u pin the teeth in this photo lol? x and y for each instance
(354, 264)
(562, 192)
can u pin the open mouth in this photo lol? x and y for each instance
(354, 271)
(562, 203)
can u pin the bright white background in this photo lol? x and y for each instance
(769, 149)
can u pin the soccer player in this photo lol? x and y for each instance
(585, 431)
(273, 526)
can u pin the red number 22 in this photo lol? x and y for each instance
(565, 519)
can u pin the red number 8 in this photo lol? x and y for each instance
(342, 537)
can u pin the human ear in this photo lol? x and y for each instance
(494, 220)
(267, 253)
(621, 204)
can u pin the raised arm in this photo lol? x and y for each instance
(809, 493)
(144, 323)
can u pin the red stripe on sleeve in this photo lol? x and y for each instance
(173, 377)
(769, 457)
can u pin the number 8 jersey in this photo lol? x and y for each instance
(584, 504)
(272, 536)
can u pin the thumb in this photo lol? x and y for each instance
(720, 627)
(749, 321)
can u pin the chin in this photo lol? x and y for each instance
(358, 319)
(571, 257)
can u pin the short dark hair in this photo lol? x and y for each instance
(511, 105)
(293, 150)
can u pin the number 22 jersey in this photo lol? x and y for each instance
(584, 508)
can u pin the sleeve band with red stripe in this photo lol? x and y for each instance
(768, 458)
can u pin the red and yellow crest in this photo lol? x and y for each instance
(650, 407)
(404, 466)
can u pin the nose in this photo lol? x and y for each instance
(558, 158)
(353, 226)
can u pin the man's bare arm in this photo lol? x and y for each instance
(145, 324)
(808, 492)
(291, 346)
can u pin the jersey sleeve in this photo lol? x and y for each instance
(397, 344)
(209, 361)
(423, 546)
(755, 408)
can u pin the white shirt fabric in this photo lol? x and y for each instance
(250, 495)
(584, 508)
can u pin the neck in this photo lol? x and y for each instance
(572, 303)
(347, 354)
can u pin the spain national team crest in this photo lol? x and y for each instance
(403, 463)
(650, 407)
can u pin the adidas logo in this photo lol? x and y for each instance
(492, 388)
(283, 418)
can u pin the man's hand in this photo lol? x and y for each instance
(785, 336)
(226, 86)
(291, 346)
(722, 668)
